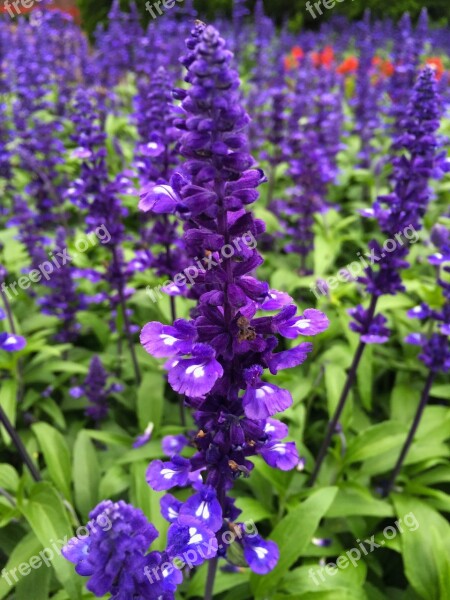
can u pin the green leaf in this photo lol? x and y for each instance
(56, 454)
(335, 377)
(348, 578)
(99, 326)
(8, 401)
(63, 366)
(48, 518)
(9, 479)
(425, 547)
(299, 525)
(86, 473)
(375, 440)
(27, 547)
(252, 510)
(35, 585)
(150, 403)
(49, 406)
(114, 439)
(352, 500)
(115, 481)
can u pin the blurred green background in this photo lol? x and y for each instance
(93, 11)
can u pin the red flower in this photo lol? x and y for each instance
(297, 52)
(327, 56)
(437, 64)
(349, 65)
(324, 58)
(385, 67)
(292, 60)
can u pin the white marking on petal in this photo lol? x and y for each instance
(196, 370)
(261, 552)
(167, 473)
(303, 324)
(280, 448)
(196, 538)
(203, 511)
(168, 340)
(264, 391)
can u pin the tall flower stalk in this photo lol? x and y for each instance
(418, 161)
(156, 160)
(95, 192)
(219, 357)
(435, 348)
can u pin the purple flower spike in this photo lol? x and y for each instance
(115, 555)
(218, 359)
(261, 555)
(165, 475)
(205, 507)
(11, 342)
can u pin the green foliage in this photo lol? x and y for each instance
(95, 11)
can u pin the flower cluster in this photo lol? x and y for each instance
(418, 161)
(116, 560)
(156, 160)
(217, 360)
(436, 349)
(311, 149)
(63, 300)
(96, 391)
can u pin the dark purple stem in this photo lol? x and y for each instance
(19, 445)
(126, 321)
(212, 570)
(343, 399)
(409, 440)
